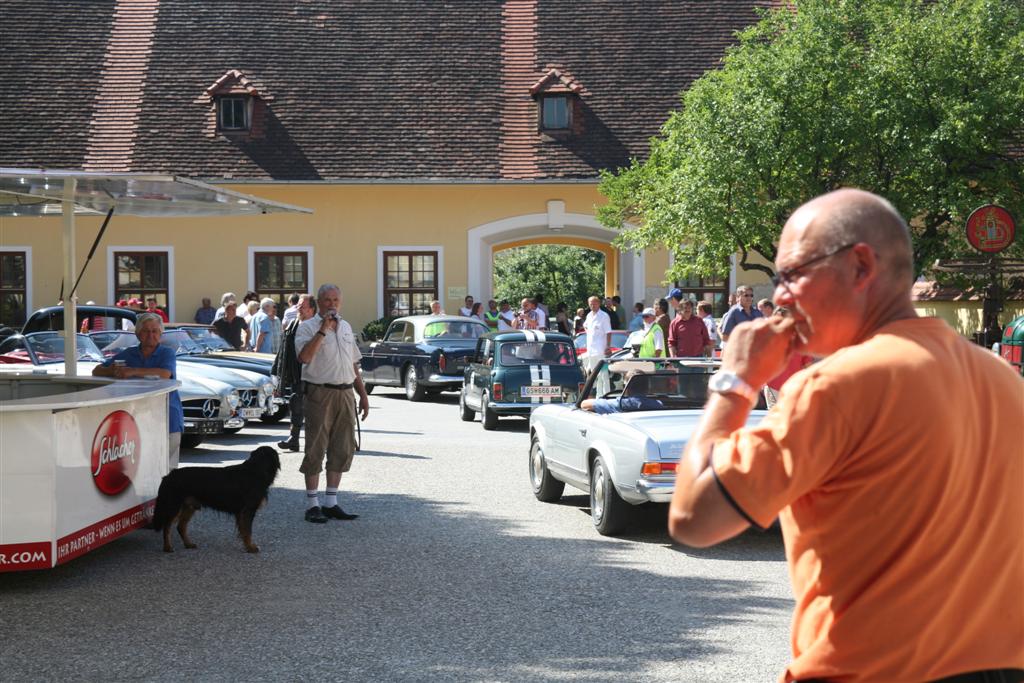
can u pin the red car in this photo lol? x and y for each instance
(618, 341)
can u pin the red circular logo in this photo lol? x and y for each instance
(990, 228)
(115, 453)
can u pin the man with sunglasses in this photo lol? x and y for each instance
(744, 311)
(895, 464)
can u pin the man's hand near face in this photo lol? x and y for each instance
(759, 350)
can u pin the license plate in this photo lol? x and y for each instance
(209, 428)
(250, 412)
(545, 391)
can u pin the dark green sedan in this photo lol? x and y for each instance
(511, 373)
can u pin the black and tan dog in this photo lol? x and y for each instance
(238, 490)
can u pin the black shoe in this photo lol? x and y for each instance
(288, 445)
(337, 513)
(315, 515)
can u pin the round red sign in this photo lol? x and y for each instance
(990, 228)
(116, 448)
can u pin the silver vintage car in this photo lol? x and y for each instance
(625, 450)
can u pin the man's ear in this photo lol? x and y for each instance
(866, 261)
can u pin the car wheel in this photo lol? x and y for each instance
(465, 412)
(368, 387)
(191, 440)
(413, 390)
(488, 417)
(609, 513)
(546, 488)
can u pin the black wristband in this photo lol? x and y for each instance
(321, 333)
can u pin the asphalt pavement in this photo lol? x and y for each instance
(453, 572)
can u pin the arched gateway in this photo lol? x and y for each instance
(624, 271)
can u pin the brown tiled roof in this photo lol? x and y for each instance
(407, 89)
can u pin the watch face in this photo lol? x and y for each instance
(722, 381)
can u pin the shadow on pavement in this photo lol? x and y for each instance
(413, 590)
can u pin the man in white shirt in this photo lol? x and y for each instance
(467, 310)
(327, 349)
(598, 327)
(292, 312)
(542, 315)
(506, 317)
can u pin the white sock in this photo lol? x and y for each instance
(331, 497)
(312, 499)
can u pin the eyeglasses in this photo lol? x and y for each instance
(787, 275)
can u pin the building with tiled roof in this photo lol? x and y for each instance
(438, 130)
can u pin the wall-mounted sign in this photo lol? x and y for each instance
(990, 229)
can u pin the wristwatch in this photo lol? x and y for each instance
(728, 382)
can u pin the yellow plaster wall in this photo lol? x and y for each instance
(348, 224)
(965, 316)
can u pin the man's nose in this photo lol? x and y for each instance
(782, 296)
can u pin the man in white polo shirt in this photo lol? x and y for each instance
(327, 349)
(598, 327)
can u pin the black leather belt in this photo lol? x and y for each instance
(330, 386)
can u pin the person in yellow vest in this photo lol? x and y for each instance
(653, 345)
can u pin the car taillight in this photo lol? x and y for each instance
(658, 468)
(496, 390)
(442, 363)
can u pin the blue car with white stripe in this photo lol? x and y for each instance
(514, 372)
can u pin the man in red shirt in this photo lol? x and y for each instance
(687, 334)
(151, 307)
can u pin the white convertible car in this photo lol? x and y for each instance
(624, 453)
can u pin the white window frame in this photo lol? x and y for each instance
(251, 265)
(112, 272)
(29, 308)
(442, 294)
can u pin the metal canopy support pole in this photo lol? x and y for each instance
(70, 313)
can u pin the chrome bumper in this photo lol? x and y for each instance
(436, 381)
(657, 489)
(518, 408)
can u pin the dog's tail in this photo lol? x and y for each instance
(166, 508)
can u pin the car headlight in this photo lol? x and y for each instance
(233, 400)
(267, 388)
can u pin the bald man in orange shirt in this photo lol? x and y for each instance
(895, 464)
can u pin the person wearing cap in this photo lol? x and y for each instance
(231, 327)
(687, 334)
(675, 300)
(653, 344)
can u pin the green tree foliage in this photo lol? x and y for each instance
(919, 101)
(560, 273)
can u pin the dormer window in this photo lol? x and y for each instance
(233, 113)
(554, 113)
(237, 107)
(559, 108)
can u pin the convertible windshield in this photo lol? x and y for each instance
(207, 338)
(676, 384)
(537, 353)
(180, 343)
(453, 329)
(48, 347)
(176, 340)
